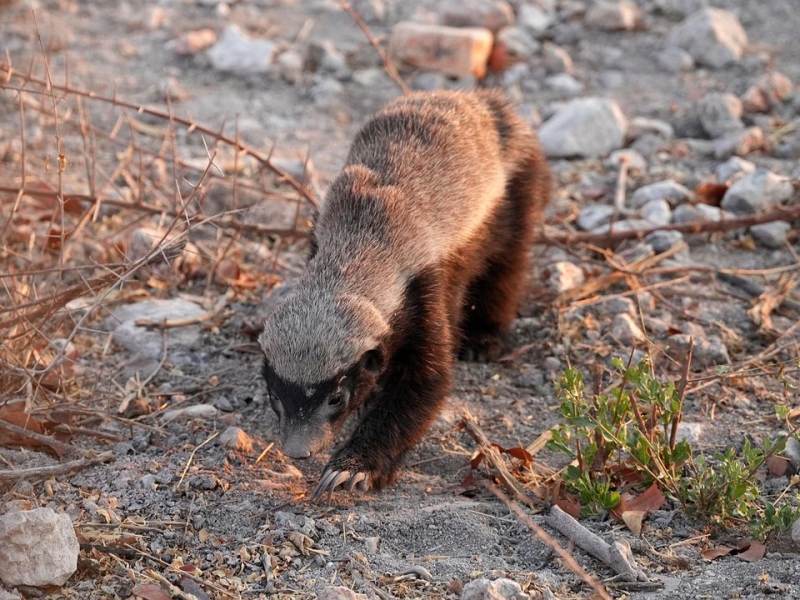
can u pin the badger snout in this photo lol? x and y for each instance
(295, 447)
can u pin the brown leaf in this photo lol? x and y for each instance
(651, 499)
(710, 554)
(476, 459)
(14, 414)
(777, 465)
(710, 193)
(755, 552)
(571, 507)
(633, 520)
(520, 453)
(150, 591)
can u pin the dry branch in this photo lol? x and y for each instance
(788, 213)
(617, 555)
(493, 456)
(67, 467)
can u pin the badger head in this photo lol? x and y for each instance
(323, 354)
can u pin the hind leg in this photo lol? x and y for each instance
(494, 296)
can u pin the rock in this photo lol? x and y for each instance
(323, 57)
(681, 8)
(303, 524)
(698, 213)
(236, 439)
(557, 60)
(39, 548)
(739, 143)
(587, 127)
(238, 53)
(796, 532)
(196, 411)
(371, 11)
(428, 81)
(326, 90)
(657, 211)
(490, 14)
(675, 60)
(720, 114)
(661, 241)
(707, 350)
(371, 544)
(454, 51)
(594, 216)
(640, 126)
(564, 276)
(714, 37)
(190, 43)
(671, 191)
(499, 589)
(563, 84)
(619, 15)
(290, 64)
(690, 432)
(150, 342)
(332, 592)
(534, 19)
(771, 235)
(767, 92)
(757, 191)
(636, 162)
(624, 225)
(625, 330)
(515, 44)
(733, 168)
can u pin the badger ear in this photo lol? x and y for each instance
(372, 361)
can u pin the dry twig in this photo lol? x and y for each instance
(59, 469)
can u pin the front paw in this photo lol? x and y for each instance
(349, 472)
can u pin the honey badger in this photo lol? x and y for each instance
(418, 252)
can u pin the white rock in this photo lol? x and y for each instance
(499, 589)
(657, 211)
(739, 143)
(594, 216)
(714, 37)
(534, 18)
(733, 168)
(339, 593)
(671, 191)
(195, 411)
(587, 127)
(720, 114)
(624, 225)
(661, 241)
(636, 162)
(236, 439)
(455, 51)
(642, 125)
(619, 15)
(557, 60)
(690, 432)
(491, 14)
(39, 548)
(518, 43)
(564, 276)
(771, 235)
(150, 342)
(564, 84)
(239, 53)
(371, 544)
(624, 329)
(290, 64)
(698, 213)
(758, 191)
(675, 60)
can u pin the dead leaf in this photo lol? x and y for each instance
(14, 414)
(519, 453)
(710, 193)
(710, 554)
(633, 520)
(755, 552)
(150, 591)
(571, 507)
(475, 460)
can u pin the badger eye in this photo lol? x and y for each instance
(335, 400)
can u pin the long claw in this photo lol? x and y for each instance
(326, 478)
(357, 478)
(338, 480)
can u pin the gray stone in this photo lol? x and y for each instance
(771, 235)
(657, 211)
(371, 78)
(707, 350)
(625, 330)
(150, 342)
(671, 191)
(796, 532)
(326, 90)
(619, 15)
(371, 544)
(323, 57)
(333, 592)
(594, 216)
(757, 191)
(587, 127)
(499, 589)
(636, 162)
(733, 168)
(564, 85)
(714, 37)
(675, 60)
(557, 60)
(39, 548)
(290, 64)
(238, 53)
(236, 439)
(534, 18)
(491, 14)
(661, 241)
(518, 43)
(739, 143)
(642, 125)
(767, 93)
(681, 8)
(564, 276)
(303, 524)
(690, 432)
(624, 225)
(698, 213)
(720, 114)
(429, 81)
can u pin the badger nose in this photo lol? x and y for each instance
(294, 448)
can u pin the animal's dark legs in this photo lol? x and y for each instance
(494, 296)
(411, 396)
